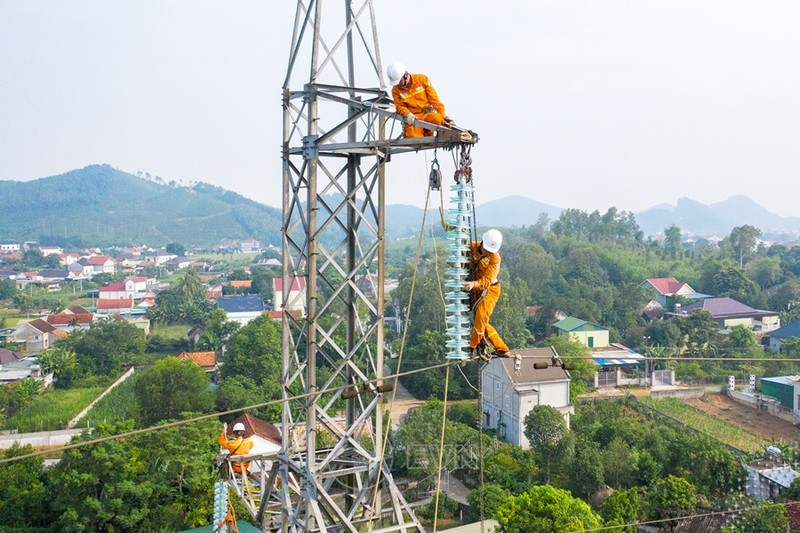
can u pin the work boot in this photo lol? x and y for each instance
(503, 353)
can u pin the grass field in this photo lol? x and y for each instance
(720, 430)
(170, 332)
(53, 410)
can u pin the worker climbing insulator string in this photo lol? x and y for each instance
(460, 225)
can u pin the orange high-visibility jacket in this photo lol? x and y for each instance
(484, 267)
(237, 446)
(419, 95)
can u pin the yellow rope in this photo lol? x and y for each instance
(441, 449)
(400, 356)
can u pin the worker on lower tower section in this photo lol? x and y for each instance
(484, 291)
(415, 99)
(237, 446)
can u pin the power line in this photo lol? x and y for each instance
(684, 517)
(217, 414)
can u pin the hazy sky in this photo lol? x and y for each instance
(581, 104)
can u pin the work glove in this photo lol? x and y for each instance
(469, 285)
(411, 118)
(448, 120)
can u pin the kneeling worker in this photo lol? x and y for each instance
(237, 446)
(415, 99)
(484, 291)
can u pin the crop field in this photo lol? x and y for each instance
(720, 430)
(115, 406)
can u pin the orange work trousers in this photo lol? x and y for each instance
(480, 324)
(410, 130)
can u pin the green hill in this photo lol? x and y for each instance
(103, 206)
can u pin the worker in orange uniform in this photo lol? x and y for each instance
(237, 446)
(484, 291)
(415, 99)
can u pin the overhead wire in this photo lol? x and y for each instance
(215, 414)
(684, 517)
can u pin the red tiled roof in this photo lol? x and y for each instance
(115, 286)
(114, 303)
(242, 283)
(256, 426)
(138, 279)
(297, 284)
(666, 285)
(97, 259)
(76, 309)
(532, 310)
(42, 325)
(66, 319)
(201, 359)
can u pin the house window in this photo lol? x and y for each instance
(487, 423)
(590, 341)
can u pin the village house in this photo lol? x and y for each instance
(242, 308)
(295, 300)
(177, 263)
(249, 246)
(15, 366)
(617, 365)
(513, 386)
(70, 321)
(159, 256)
(37, 335)
(205, 360)
(8, 274)
(51, 250)
(788, 331)
(68, 258)
(114, 306)
(728, 312)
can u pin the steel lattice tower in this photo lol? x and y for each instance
(338, 133)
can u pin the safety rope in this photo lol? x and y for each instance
(400, 354)
(441, 450)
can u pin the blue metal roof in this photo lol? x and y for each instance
(791, 329)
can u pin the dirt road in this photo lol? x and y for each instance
(403, 401)
(755, 421)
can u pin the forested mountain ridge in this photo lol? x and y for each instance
(100, 205)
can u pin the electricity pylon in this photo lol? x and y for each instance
(338, 133)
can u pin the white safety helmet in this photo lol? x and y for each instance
(238, 426)
(395, 71)
(492, 240)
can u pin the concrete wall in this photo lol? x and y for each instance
(678, 393)
(41, 439)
